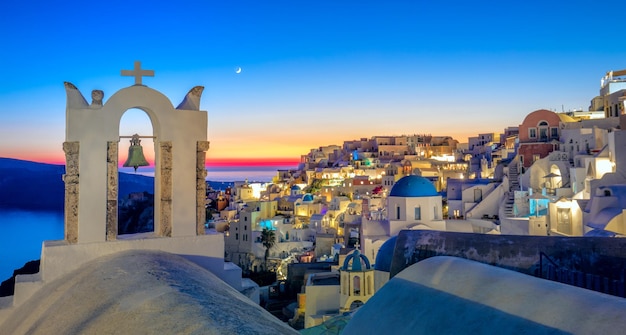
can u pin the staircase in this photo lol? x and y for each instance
(509, 202)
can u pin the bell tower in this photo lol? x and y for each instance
(91, 148)
(357, 281)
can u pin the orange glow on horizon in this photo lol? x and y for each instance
(212, 162)
(251, 162)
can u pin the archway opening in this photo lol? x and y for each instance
(355, 304)
(136, 188)
(356, 282)
(553, 180)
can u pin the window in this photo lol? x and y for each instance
(397, 213)
(554, 132)
(543, 131)
(236, 236)
(418, 213)
(536, 158)
(478, 195)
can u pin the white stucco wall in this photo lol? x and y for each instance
(58, 257)
(492, 197)
(514, 225)
(380, 279)
(320, 299)
(430, 208)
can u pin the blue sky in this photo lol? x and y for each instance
(313, 72)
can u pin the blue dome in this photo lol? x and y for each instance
(353, 262)
(385, 255)
(307, 198)
(413, 186)
(295, 188)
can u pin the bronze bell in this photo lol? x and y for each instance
(135, 154)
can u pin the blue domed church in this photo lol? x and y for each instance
(413, 203)
(414, 200)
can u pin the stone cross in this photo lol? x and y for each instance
(137, 72)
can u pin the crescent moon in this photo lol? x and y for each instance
(238, 70)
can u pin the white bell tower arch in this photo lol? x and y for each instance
(91, 148)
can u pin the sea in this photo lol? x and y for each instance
(228, 174)
(23, 231)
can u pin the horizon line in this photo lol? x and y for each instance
(211, 162)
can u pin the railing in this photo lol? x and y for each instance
(616, 287)
(541, 257)
(559, 156)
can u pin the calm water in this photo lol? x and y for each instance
(22, 235)
(240, 173)
(227, 174)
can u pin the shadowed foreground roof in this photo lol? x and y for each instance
(141, 292)
(448, 295)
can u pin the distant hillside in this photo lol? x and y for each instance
(132, 183)
(30, 185)
(38, 186)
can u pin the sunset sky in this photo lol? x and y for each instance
(313, 72)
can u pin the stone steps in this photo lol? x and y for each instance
(509, 202)
(25, 287)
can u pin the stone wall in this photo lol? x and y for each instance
(71, 180)
(533, 255)
(165, 222)
(112, 191)
(201, 148)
